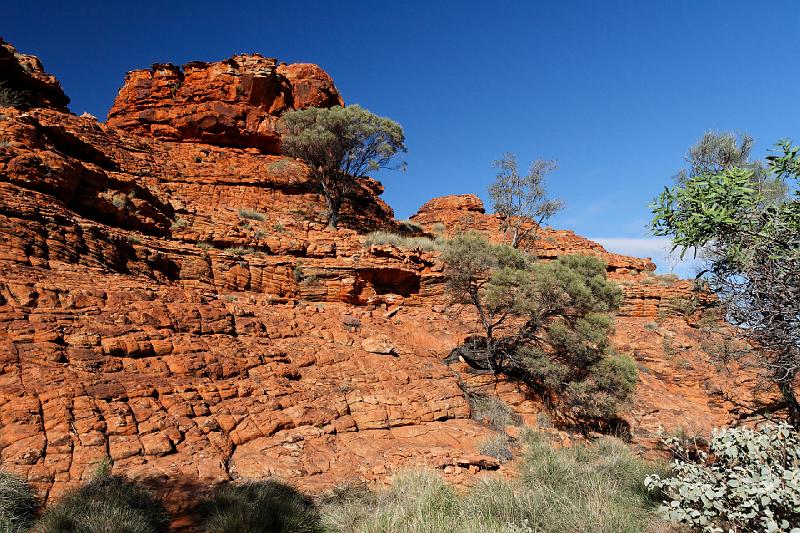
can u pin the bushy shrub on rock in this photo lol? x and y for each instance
(749, 480)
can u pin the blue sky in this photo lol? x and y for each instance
(616, 91)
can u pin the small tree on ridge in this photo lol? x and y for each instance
(522, 200)
(340, 144)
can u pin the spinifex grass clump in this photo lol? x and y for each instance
(596, 488)
(260, 507)
(424, 244)
(106, 504)
(17, 504)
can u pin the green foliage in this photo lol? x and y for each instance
(595, 488)
(260, 507)
(239, 250)
(340, 144)
(18, 504)
(377, 238)
(751, 243)
(546, 322)
(251, 214)
(522, 200)
(749, 480)
(107, 503)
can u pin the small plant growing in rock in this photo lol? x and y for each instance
(204, 245)
(179, 223)
(749, 480)
(17, 504)
(251, 214)
(239, 251)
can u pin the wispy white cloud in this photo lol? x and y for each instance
(637, 247)
(659, 249)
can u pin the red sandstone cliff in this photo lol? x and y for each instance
(145, 315)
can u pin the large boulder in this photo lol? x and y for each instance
(235, 102)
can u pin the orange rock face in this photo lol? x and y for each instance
(183, 307)
(235, 102)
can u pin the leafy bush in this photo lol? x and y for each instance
(260, 507)
(105, 504)
(547, 323)
(17, 504)
(251, 214)
(407, 243)
(749, 480)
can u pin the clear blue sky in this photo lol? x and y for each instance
(616, 90)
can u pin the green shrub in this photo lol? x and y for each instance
(105, 504)
(17, 504)
(749, 480)
(407, 243)
(260, 507)
(251, 214)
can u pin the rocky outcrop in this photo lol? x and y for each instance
(184, 308)
(235, 102)
(23, 78)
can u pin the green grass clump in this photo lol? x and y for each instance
(493, 411)
(238, 250)
(260, 507)
(17, 504)
(251, 214)
(594, 488)
(424, 244)
(106, 504)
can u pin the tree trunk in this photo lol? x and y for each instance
(791, 403)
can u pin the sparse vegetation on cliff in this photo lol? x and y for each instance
(340, 144)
